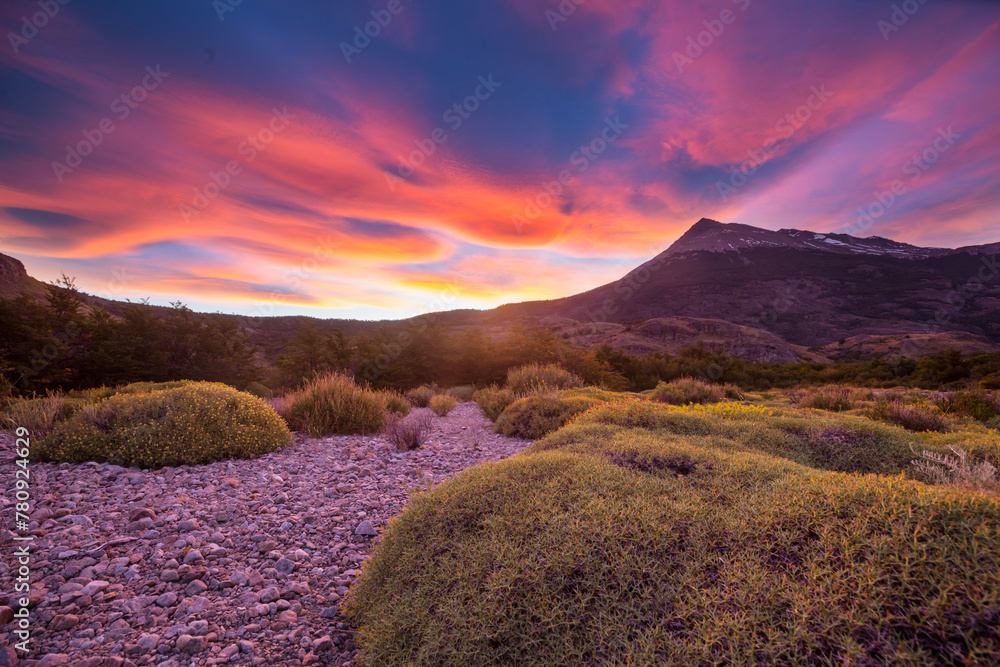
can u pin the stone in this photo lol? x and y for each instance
(188, 525)
(284, 566)
(191, 645)
(169, 576)
(269, 594)
(196, 587)
(64, 622)
(365, 528)
(193, 556)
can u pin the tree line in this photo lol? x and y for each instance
(63, 344)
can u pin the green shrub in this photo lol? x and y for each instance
(395, 402)
(442, 404)
(195, 423)
(689, 390)
(538, 379)
(648, 548)
(832, 398)
(493, 400)
(334, 405)
(421, 396)
(463, 393)
(979, 405)
(38, 415)
(533, 417)
(913, 417)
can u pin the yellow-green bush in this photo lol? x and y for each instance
(533, 417)
(442, 404)
(334, 404)
(833, 398)
(537, 379)
(395, 402)
(493, 400)
(644, 546)
(194, 423)
(689, 390)
(421, 396)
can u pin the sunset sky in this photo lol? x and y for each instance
(269, 157)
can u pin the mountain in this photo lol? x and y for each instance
(811, 290)
(761, 295)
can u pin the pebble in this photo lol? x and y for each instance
(236, 561)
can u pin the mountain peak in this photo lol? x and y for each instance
(709, 235)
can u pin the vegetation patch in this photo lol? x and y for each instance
(442, 404)
(538, 379)
(565, 556)
(633, 461)
(407, 433)
(195, 423)
(913, 417)
(533, 417)
(493, 400)
(395, 402)
(421, 396)
(334, 405)
(832, 398)
(979, 405)
(689, 390)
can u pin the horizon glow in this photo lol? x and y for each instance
(381, 159)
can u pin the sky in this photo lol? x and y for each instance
(382, 159)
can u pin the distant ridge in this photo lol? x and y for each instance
(758, 294)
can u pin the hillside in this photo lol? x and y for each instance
(761, 295)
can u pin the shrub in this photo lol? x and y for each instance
(914, 417)
(533, 417)
(421, 396)
(334, 405)
(395, 402)
(493, 400)
(192, 424)
(958, 469)
(642, 548)
(463, 393)
(538, 379)
(832, 398)
(979, 405)
(442, 404)
(689, 390)
(38, 415)
(407, 433)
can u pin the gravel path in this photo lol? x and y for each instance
(238, 561)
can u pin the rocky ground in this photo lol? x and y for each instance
(237, 561)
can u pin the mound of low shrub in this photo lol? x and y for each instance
(407, 433)
(442, 404)
(493, 400)
(646, 548)
(833, 398)
(421, 396)
(913, 417)
(533, 417)
(979, 405)
(395, 402)
(684, 391)
(197, 422)
(538, 379)
(334, 404)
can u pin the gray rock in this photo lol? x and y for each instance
(365, 528)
